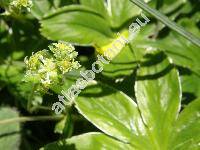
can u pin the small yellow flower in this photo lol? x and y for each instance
(46, 67)
(19, 5)
(64, 66)
(63, 51)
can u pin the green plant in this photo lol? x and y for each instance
(102, 27)
(153, 122)
(147, 97)
(45, 68)
(16, 7)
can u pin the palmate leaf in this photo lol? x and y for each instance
(153, 122)
(76, 24)
(163, 105)
(92, 18)
(115, 12)
(114, 113)
(88, 141)
(54, 30)
(158, 96)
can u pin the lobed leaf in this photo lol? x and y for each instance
(158, 95)
(76, 24)
(114, 113)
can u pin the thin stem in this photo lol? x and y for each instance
(165, 20)
(32, 118)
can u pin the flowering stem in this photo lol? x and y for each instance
(165, 20)
(30, 98)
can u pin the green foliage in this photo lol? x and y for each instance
(79, 21)
(10, 133)
(88, 141)
(44, 68)
(15, 7)
(146, 98)
(153, 122)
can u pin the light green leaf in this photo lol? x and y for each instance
(41, 7)
(122, 65)
(117, 12)
(121, 11)
(119, 73)
(140, 44)
(88, 141)
(186, 134)
(114, 113)
(165, 20)
(181, 51)
(98, 6)
(158, 96)
(9, 133)
(128, 59)
(76, 24)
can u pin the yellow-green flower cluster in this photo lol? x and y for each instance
(65, 56)
(45, 68)
(21, 5)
